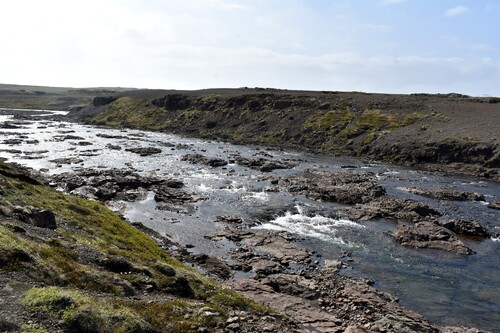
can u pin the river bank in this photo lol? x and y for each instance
(447, 133)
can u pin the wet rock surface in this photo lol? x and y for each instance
(263, 164)
(397, 208)
(446, 194)
(144, 151)
(342, 187)
(201, 159)
(431, 236)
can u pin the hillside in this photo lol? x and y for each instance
(49, 98)
(450, 133)
(72, 265)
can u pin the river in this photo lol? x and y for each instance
(448, 289)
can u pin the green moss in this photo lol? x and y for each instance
(82, 313)
(272, 136)
(329, 120)
(188, 117)
(33, 328)
(226, 298)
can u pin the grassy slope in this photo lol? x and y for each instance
(72, 287)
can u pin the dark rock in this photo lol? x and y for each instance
(144, 151)
(173, 183)
(446, 194)
(432, 236)
(13, 256)
(180, 287)
(68, 160)
(391, 207)
(229, 219)
(173, 102)
(116, 264)
(213, 265)
(165, 269)
(200, 159)
(60, 138)
(8, 326)
(41, 218)
(113, 147)
(101, 100)
(263, 165)
(344, 187)
(464, 227)
(174, 195)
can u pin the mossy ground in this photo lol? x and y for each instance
(82, 294)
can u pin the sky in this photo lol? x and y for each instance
(393, 46)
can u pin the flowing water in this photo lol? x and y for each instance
(446, 288)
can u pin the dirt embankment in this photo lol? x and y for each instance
(449, 133)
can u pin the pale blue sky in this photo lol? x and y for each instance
(400, 46)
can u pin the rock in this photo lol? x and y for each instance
(8, 326)
(355, 329)
(122, 184)
(113, 147)
(175, 196)
(391, 207)
(332, 265)
(444, 193)
(116, 264)
(464, 227)
(41, 218)
(180, 287)
(6, 210)
(432, 236)
(69, 160)
(200, 159)
(294, 285)
(266, 267)
(494, 205)
(144, 151)
(263, 165)
(233, 327)
(102, 100)
(344, 187)
(165, 269)
(229, 219)
(13, 256)
(213, 265)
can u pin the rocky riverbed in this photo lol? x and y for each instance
(312, 236)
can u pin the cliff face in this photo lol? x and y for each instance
(450, 132)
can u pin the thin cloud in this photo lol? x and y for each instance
(455, 11)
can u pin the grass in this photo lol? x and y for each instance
(329, 120)
(79, 312)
